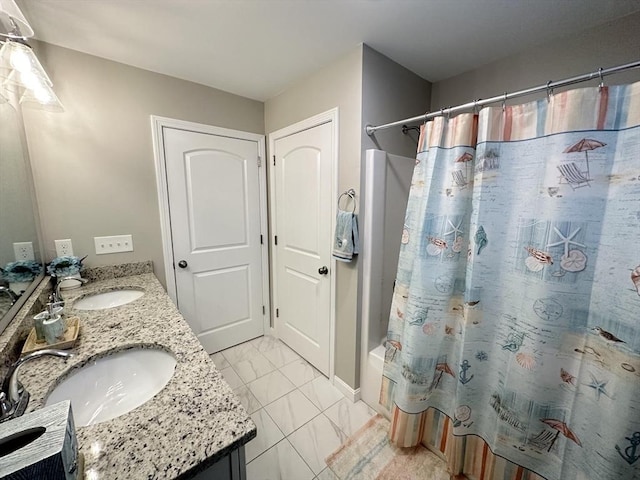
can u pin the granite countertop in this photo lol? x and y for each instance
(5, 303)
(193, 422)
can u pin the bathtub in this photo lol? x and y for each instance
(385, 186)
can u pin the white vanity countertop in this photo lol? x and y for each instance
(194, 421)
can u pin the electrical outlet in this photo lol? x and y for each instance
(23, 251)
(64, 247)
(113, 244)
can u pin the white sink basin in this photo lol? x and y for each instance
(110, 299)
(114, 385)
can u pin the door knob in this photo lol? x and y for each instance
(323, 270)
(182, 264)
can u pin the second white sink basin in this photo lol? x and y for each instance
(114, 385)
(109, 299)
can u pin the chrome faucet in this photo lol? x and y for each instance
(12, 295)
(13, 396)
(56, 296)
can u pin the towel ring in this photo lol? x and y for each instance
(351, 193)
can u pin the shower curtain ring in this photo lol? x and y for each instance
(601, 86)
(476, 110)
(549, 90)
(449, 113)
(504, 102)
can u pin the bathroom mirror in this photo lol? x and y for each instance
(18, 213)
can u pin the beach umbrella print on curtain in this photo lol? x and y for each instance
(443, 368)
(560, 427)
(465, 158)
(585, 145)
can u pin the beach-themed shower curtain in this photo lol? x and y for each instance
(514, 336)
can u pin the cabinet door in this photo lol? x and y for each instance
(231, 467)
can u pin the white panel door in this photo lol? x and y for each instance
(214, 202)
(303, 228)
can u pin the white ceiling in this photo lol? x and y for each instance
(257, 48)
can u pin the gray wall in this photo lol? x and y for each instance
(608, 45)
(93, 164)
(336, 85)
(390, 92)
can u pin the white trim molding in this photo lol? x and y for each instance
(347, 391)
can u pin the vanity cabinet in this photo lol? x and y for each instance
(231, 467)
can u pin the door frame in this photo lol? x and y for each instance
(157, 124)
(330, 116)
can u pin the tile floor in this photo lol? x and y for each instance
(301, 417)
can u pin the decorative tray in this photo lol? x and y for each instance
(69, 340)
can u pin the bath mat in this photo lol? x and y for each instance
(367, 455)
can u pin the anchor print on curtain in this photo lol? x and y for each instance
(515, 315)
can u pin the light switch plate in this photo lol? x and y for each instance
(23, 251)
(113, 244)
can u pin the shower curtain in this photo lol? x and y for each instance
(514, 334)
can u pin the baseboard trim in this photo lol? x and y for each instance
(347, 391)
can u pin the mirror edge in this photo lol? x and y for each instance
(6, 319)
(15, 308)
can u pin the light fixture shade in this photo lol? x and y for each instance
(42, 98)
(22, 76)
(19, 65)
(13, 24)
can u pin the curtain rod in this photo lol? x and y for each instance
(548, 87)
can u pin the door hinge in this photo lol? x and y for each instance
(259, 161)
(274, 160)
(277, 312)
(261, 243)
(263, 310)
(276, 239)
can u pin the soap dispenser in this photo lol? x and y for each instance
(56, 309)
(49, 324)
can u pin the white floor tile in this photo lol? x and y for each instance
(239, 353)
(280, 462)
(265, 343)
(316, 440)
(294, 436)
(231, 377)
(254, 367)
(270, 387)
(248, 399)
(349, 416)
(280, 355)
(292, 411)
(300, 372)
(219, 360)
(327, 474)
(322, 393)
(268, 435)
